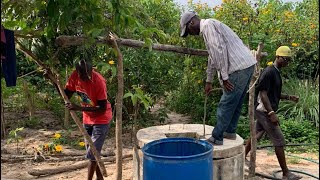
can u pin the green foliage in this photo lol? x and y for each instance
(275, 23)
(162, 115)
(159, 74)
(307, 109)
(138, 97)
(293, 160)
(299, 132)
(34, 122)
(244, 127)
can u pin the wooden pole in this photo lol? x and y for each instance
(119, 103)
(65, 41)
(136, 158)
(66, 110)
(29, 99)
(251, 113)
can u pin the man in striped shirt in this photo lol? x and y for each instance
(233, 62)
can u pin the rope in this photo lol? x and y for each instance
(205, 110)
(204, 116)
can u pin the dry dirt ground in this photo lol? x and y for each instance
(266, 160)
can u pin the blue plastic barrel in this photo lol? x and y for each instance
(177, 159)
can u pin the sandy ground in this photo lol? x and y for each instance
(266, 159)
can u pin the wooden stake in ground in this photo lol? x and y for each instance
(119, 101)
(251, 113)
(136, 173)
(66, 110)
(29, 98)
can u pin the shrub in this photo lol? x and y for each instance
(307, 109)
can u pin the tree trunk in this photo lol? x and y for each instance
(29, 99)
(251, 114)
(119, 103)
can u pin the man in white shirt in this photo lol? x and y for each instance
(234, 63)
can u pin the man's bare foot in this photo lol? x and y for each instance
(291, 176)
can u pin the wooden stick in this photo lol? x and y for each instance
(66, 110)
(29, 99)
(204, 116)
(136, 160)
(119, 100)
(252, 166)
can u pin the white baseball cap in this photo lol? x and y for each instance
(185, 18)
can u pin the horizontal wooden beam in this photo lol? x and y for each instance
(65, 41)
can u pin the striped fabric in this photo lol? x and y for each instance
(227, 53)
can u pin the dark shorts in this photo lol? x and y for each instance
(98, 134)
(273, 131)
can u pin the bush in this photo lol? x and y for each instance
(299, 132)
(307, 109)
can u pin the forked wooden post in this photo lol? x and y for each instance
(255, 76)
(119, 103)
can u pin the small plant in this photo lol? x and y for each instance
(59, 139)
(82, 145)
(15, 137)
(270, 152)
(32, 122)
(51, 148)
(293, 160)
(162, 115)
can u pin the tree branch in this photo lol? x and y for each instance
(27, 35)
